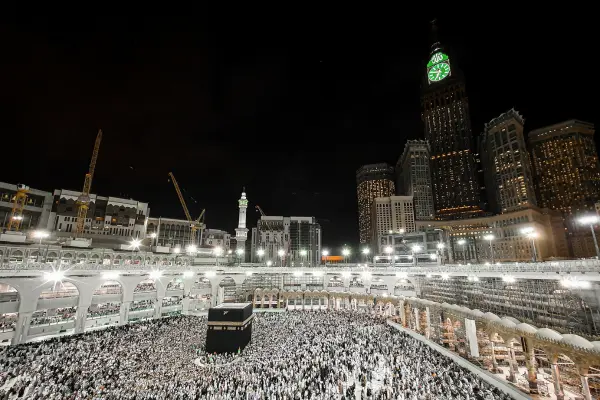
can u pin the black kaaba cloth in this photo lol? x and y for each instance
(229, 327)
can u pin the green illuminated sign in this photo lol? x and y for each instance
(243, 203)
(437, 58)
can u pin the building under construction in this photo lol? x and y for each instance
(35, 213)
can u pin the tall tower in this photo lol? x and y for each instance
(241, 232)
(372, 181)
(447, 125)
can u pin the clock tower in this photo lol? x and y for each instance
(447, 126)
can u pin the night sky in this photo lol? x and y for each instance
(289, 110)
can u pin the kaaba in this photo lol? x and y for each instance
(229, 327)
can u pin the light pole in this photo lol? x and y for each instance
(592, 220)
(303, 254)
(345, 253)
(389, 250)
(531, 234)
(240, 254)
(463, 242)
(218, 252)
(366, 252)
(135, 245)
(191, 250)
(40, 235)
(260, 253)
(153, 236)
(281, 254)
(325, 254)
(415, 249)
(440, 247)
(489, 238)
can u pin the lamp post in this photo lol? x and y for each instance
(40, 235)
(463, 242)
(346, 254)
(531, 234)
(260, 253)
(240, 254)
(191, 250)
(153, 236)
(303, 254)
(135, 245)
(366, 252)
(489, 238)
(440, 247)
(389, 250)
(325, 254)
(218, 252)
(591, 220)
(281, 254)
(415, 249)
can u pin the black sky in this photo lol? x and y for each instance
(289, 109)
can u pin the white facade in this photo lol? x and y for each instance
(298, 237)
(106, 217)
(392, 214)
(217, 238)
(241, 232)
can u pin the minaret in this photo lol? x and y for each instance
(241, 232)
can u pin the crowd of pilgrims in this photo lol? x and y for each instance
(292, 355)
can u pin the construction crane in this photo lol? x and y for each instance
(197, 224)
(16, 215)
(84, 200)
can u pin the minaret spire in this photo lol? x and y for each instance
(435, 43)
(241, 232)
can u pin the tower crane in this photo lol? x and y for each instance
(197, 224)
(16, 214)
(84, 200)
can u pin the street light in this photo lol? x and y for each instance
(135, 244)
(366, 252)
(490, 238)
(440, 247)
(269, 263)
(345, 253)
(325, 253)
(591, 220)
(463, 242)
(260, 253)
(415, 249)
(40, 235)
(240, 254)
(389, 250)
(531, 234)
(303, 254)
(281, 254)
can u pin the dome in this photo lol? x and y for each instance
(507, 323)
(577, 341)
(491, 316)
(516, 321)
(546, 333)
(596, 346)
(523, 327)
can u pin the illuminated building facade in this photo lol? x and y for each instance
(566, 167)
(394, 214)
(447, 125)
(372, 181)
(414, 174)
(506, 164)
(567, 176)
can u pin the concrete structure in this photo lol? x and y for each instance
(414, 177)
(217, 238)
(394, 214)
(108, 217)
(468, 240)
(176, 233)
(447, 125)
(297, 238)
(413, 247)
(36, 213)
(372, 181)
(506, 164)
(241, 232)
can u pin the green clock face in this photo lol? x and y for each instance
(438, 72)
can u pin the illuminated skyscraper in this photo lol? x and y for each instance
(414, 176)
(565, 160)
(506, 164)
(447, 125)
(372, 181)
